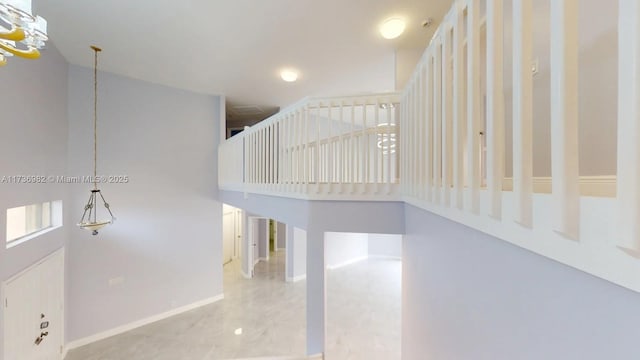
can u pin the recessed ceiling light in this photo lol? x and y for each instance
(392, 27)
(289, 75)
(238, 331)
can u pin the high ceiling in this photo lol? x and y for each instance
(237, 47)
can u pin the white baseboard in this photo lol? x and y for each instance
(136, 324)
(263, 259)
(245, 275)
(256, 261)
(346, 263)
(296, 278)
(385, 257)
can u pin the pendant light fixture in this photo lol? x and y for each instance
(90, 220)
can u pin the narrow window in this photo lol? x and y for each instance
(29, 221)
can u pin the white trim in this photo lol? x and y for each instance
(346, 263)
(296, 278)
(33, 235)
(136, 324)
(385, 257)
(266, 259)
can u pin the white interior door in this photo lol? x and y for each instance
(34, 308)
(228, 235)
(238, 234)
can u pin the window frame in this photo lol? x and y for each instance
(55, 222)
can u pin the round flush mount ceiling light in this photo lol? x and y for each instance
(289, 75)
(392, 27)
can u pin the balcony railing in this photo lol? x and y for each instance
(328, 148)
(455, 112)
(458, 159)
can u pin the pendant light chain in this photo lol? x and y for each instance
(89, 220)
(95, 117)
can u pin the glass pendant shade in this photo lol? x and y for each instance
(90, 220)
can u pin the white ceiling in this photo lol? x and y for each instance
(236, 47)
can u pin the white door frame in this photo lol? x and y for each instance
(225, 235)
(252, 243)
(238, 232)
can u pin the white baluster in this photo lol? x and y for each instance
(459, 108)
(523, 112)
(564, 117)
(629, 126)
(473, 104)
(447, 115)
(437, 120)
(495, 107)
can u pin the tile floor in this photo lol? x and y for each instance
(363, 319)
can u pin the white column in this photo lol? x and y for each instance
(522, 112)
(316, 293)
(629, 126)
(495, 107)
(564, 117)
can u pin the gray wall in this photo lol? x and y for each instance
(167, 241)
(385, 245)
(344, 248)
(467, 295)
(33, 141)
(597, 88)
(296, 252)
(299, 252)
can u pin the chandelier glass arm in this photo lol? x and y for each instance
(16, 34)
(32, 53)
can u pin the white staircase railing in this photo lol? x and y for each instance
(342, 148)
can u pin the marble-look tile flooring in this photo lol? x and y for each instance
(363, 311)
(363, 319)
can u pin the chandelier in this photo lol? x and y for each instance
(386, 138)
(90, 220)
(21, 33)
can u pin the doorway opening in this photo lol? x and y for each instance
(363, 292)
(267, 245)
(232, 233)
